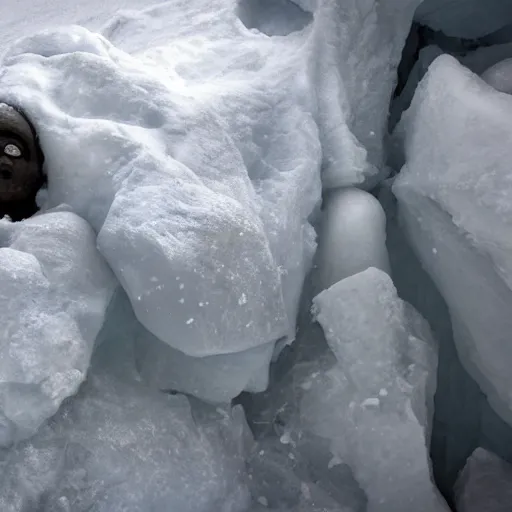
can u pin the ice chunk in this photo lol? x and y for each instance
(454, 200)
(355, 420)
(218, 378)
(463, 418)
(375, 404)
(55, 289)
(352, 236)
(348, 86)
(468, 19)
(500, 76)
(119, 446)
(485, 484)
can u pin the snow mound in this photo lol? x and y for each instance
(485, 484)
(55, 289)
(454, 185)
(118, 446)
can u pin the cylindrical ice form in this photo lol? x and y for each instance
(352, 237)
(499, 76)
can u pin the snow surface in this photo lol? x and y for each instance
(118, 446)
(454, 185)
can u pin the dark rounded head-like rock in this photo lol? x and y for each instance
(21, 164)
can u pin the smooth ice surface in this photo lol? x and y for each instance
(54, 290)
(485, 484)
(118, 446)
(454, 199)
(352, 236)
(375, 405)
(464, 18)
(499, 76)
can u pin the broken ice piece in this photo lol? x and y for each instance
(485, 484)
(380, 343)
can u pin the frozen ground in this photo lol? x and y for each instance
(198, 153)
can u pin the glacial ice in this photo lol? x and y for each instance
(485, 57)
(55, 289)
(453, 186)
(485, 484)
(348, 86)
